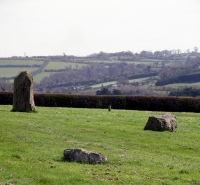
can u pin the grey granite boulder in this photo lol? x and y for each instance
(161, 123)
(82, 155)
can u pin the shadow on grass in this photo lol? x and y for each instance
(3, 111)
(61, 159)
(33, 111)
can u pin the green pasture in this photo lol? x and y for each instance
(175, 63)
(151, 60)
(138, 79)
(14, 71)
(103, 61)
(32, 145)
(183, 85)
(115, 82)
(63, 65)
(143, 62)
(142, 79)
(20, 62)
(37, 78)
(104, 84)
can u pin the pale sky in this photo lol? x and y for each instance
(83, 27)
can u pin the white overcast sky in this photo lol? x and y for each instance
(83, 27)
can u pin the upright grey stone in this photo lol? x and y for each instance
(23, 97)
(162, 123)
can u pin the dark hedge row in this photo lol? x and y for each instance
(6, 98)
(185, 78)
(172, 104)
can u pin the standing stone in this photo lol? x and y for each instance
(82, 155)
(109, 108)
(23, 97)
(162, 123)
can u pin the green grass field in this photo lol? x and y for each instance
(103, 61)
(32, 145)
(14, 71)
(37, 78)
(141, 62)
(138, 79)
(152, 60)
(63, 65)
(104, 84)
(183, 85)
(115, 82)
(20, 62)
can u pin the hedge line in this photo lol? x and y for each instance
(172, 104)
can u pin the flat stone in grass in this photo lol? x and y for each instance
(162, 123)
(82, 155)
(23, 97)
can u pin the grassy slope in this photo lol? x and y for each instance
(37, 78)
(56, 65)
(104, 84)
(183, 85)
(20, 62)
(9, 72)
(115, 82)
(14, 71)
(63, 65)
(32, 144)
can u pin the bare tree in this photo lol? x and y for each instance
(195, 49)
(178, 51)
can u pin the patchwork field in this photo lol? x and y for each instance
(20, 62)
(57, 65)
(62, 65)
(183, 85)
(32, 146)
(139, 79)
(37, 78)
(14, 71)
(115, 82)
(104, 84)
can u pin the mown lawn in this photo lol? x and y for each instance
(32, 145)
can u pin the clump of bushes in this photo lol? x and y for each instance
(172, 104)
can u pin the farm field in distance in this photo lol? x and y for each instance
(62, 65)
(104, 84)
(14, 71)
(115, 82)
(183, 84)
(37, 78)
(53, 65)
(148, 74)
(32, 146)
(20, 62)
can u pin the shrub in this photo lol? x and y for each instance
(172, 104)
